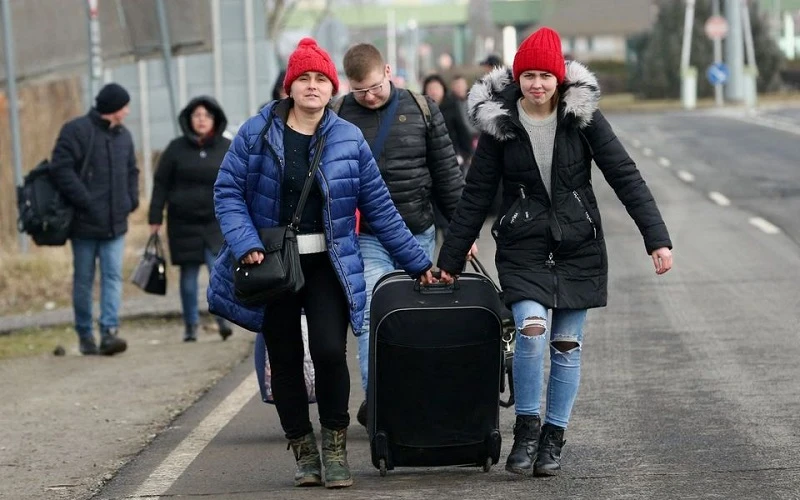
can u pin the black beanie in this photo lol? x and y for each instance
(111, 98)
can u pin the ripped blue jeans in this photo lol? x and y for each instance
(566, 326)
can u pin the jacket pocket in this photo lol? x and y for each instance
(586, 214)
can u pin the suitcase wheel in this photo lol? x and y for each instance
(380, 452)
(487, 466)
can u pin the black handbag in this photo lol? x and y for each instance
(151, 273)
(280, 272)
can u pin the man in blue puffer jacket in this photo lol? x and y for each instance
(259, 186)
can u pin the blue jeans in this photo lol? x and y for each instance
(377, 262)
(189, 274)
(566, 325)
(85, 253)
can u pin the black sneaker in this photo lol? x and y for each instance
(87, 346)
(225, 329)
(111, 344)
(361, 416)
(190, 333)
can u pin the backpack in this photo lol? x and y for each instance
(420, 99)
(44, 212)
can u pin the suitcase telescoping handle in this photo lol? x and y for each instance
(436, 288)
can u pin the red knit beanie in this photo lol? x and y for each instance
(540, 51)
(308, 56)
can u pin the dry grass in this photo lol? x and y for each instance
(35, 341)
(38, 341)
(42, 278)
(629, 102)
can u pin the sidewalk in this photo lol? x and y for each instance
(138, 305)
(71, 422)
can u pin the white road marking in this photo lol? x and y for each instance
(773, 122)
(764, 225)
(636, 143)
(664, 162)
(647, 152)
(176, 463)
(685, 176)
(719, 198)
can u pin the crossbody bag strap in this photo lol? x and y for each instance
(383, 132)
(88, 154)
(309, 181)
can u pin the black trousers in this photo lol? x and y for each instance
(327, 314)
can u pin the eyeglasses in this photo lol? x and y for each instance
(374, 90)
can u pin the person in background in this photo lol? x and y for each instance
(184, 183)
(103, 200)
(278, 92)
(434, 87)
(491, 62)
(459, 87)
(540, 130)
(259, 186)
(417, 162)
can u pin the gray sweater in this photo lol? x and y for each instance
(542, 134)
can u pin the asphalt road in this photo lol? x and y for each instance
(691, 381)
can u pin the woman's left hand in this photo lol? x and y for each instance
(428, 278)
(662, 260)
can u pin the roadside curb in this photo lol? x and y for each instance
(135, 308)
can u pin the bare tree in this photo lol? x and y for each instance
(277, 14)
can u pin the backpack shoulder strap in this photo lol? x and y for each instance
(422, 103)
(336, 105)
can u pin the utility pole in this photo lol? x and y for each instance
(718, 91)
(391, 41)
(688, 73)
(166, 50)
(750, 68)
(13, 104)
(95, 49)
(734, 53)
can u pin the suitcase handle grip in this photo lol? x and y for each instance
(437, 288)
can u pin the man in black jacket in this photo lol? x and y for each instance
(417, 162)
(103, 198)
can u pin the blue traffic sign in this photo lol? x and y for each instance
(718, 73)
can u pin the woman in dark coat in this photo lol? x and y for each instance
(184, 181)
(540, 130)
(434, 87)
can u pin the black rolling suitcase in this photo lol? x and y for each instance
(435, 372)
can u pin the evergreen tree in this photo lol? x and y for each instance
(769, 58)
(658, 59)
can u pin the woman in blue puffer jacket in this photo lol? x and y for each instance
(259, 186)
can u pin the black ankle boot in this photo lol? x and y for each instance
(526, 440)
(190, 333)
(225, 329)
(548, 459)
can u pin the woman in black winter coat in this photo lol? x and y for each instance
(184, 182)
(540, 130)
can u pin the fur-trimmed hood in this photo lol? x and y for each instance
(493, 97)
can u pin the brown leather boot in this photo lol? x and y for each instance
(334, 457)
(309, 468)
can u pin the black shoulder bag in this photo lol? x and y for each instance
(279, 274)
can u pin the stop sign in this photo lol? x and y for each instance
(716, 27)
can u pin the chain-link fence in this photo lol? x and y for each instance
(51, 36)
